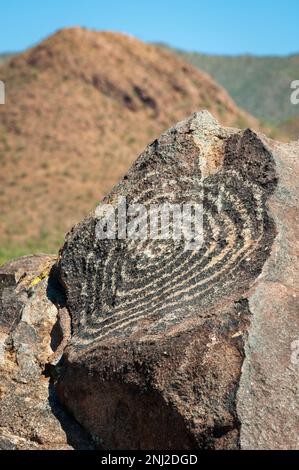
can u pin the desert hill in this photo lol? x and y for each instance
(5, 57)
(291, 128)
(79, 109)
(261, 85)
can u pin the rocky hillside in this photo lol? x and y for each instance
(5, 57)
(261, 85)
(291, 127)
(80, 107)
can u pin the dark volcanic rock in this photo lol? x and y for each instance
(156, 354)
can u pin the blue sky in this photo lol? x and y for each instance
(218, 26)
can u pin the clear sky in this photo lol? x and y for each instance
(211, 26)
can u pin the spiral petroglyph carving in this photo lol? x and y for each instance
(160, 324)
(119, 288)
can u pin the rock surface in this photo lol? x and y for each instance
(30, 415)
(170, 348)
(160, 333)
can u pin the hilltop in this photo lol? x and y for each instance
(258, 84)
(80, 107)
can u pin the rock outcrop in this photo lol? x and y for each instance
(180, 340)
(268, 396)
(30, 416)
(160, 332)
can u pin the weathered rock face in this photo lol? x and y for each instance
(268, 397)
(30, 415)
(160, 332)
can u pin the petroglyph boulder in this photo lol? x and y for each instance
(160, 329)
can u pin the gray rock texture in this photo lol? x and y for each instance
(30, 416)
(268, 397)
